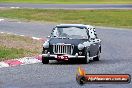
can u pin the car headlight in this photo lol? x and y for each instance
(46, 45)
(80, 46)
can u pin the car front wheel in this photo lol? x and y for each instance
(87, 58)
(45, 60)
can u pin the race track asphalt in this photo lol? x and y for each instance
(116, 57)
(66, 6)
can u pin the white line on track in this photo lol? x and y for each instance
(1, 20)
(14, 7)
(36, 38)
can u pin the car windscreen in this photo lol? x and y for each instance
(71, 32)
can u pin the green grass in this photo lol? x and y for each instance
(12, 46)
(71, 1)
(10, 53)
(114, 18)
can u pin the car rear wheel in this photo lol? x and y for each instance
(98, 57)
(45, 60)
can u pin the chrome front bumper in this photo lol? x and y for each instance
(56, 56)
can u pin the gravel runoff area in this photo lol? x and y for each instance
(116, 58)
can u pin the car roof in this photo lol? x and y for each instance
(75, 25)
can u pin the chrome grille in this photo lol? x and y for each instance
(63, 49)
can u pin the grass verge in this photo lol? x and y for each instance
(12, 46)
(113, 18)
(71, 1)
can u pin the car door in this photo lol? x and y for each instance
(94, 45)
(93, 48)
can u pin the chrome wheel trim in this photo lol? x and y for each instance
(88, 58)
